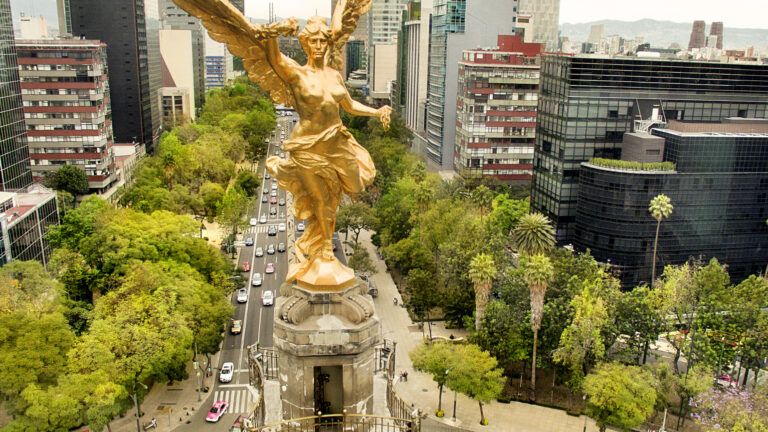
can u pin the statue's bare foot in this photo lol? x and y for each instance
(327, 252)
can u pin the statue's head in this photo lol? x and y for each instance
(314, 38)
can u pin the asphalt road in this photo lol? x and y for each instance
(258, 320)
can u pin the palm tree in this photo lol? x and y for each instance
(482, 270)
(537, 273)
(660, 208)
(533, 234)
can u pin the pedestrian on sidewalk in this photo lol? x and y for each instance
(404, 376)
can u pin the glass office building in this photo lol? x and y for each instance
(14, 152)
(588, 103)
(719, 191)
(25, 218)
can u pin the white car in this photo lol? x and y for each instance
(226, 373)
(256, 281)
(262, 219)
(242, 295)
(254, 222)
(281, 227)
(274, 186)
(300, 226)
(259, 251)
(268, 298)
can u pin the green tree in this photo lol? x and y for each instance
(355, 217)
(582, 341)
(504, 332)
(437, 360)
(660, 208)
(423, 294)
(248, 182)
(68, 178)
(482, 271)
(639, 316)
(482, 198)
(506, 212)
(361, 262)
(533, 234)
(474, 373)
(620, 395)
(234, 208)
(212, 195)
(538, 272)
(695, 381)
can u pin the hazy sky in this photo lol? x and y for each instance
(734, 13)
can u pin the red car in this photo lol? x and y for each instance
(273, 200)
(270, 268)
(246, 266)
(217, 410)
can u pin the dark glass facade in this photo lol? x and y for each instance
(587, 104)
(720, 198)
(14, 153)
(130, 28)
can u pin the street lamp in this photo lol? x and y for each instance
(135, 398)
(584, 398)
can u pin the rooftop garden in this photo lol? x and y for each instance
(632, 165)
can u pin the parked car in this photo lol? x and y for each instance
(242, 295)
(256, 280)
(259, 252)
(246, 266)
(253, 222)
(269, 268)
(227, 371)
(217, 410)
(281, 247)
(281, 226)
(271, 249)
(268, 298)
(236, 327)
(272, 230)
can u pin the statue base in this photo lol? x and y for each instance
(325, 342)
(324, 275)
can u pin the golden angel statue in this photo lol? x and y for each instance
(324, 159)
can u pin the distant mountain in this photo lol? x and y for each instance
(663, 33)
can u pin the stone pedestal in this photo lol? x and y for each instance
(325, 340)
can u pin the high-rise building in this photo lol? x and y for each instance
(178, 65)
(25, 217)
(131, 30)
(65, 20)
(496, 110)
(716, 29)
(355, 58)
(456, 25)
(717, 187)
(596, 34)
(545, 17)
(65, 90)
(698, 40)
(218, 64)
(415, 56)
(587, 104)
(33, 27)
(14, 153)
(176, 104)
(173, 17)
(384, 21)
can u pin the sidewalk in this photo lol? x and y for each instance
(421, 390)
(172, 405)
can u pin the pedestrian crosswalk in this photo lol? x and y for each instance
(240, 400)
(258, 229)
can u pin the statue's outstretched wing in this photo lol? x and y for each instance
(343, 24)
(227, 25)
